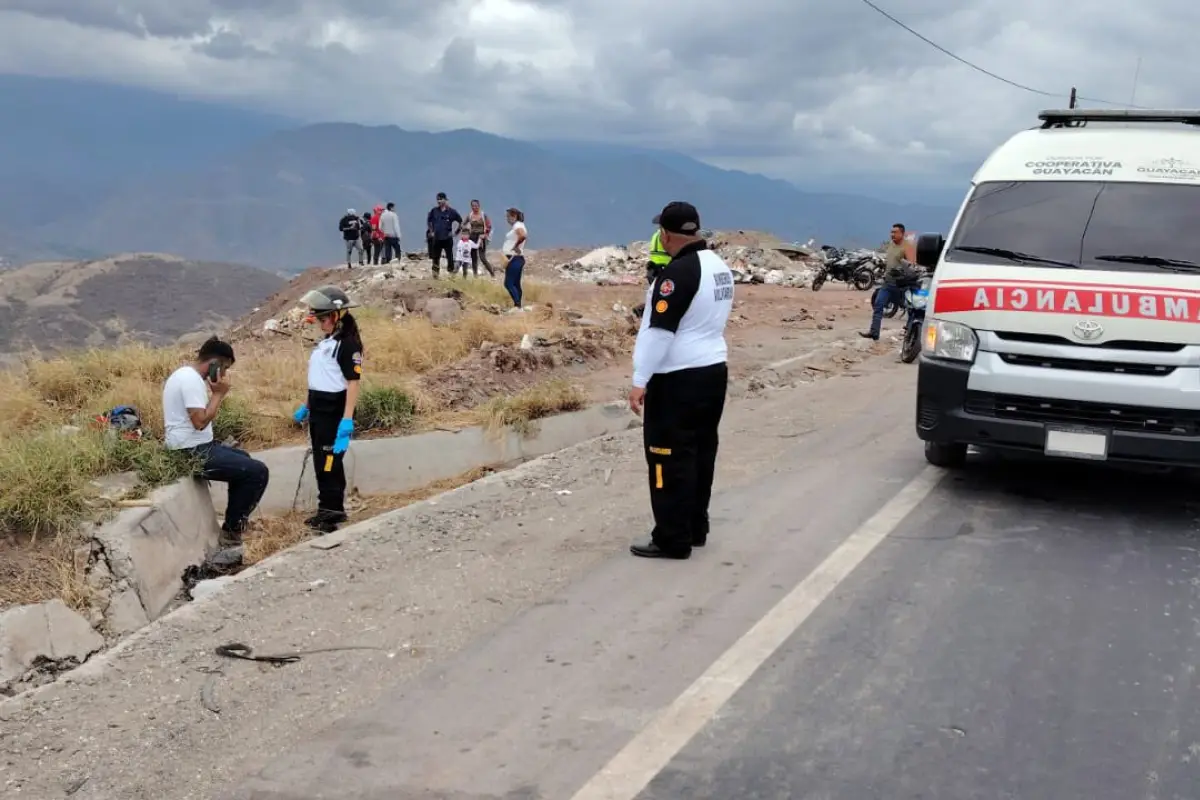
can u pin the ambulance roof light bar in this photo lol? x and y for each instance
(1074, 117)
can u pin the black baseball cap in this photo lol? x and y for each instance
(441, 196)
(679, 217)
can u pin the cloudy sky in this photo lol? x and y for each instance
(803, 88)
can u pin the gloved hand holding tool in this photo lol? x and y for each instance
(342, 442)
(301, 415)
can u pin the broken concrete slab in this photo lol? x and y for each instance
(125, 613)
(151, 547)
(47, 635)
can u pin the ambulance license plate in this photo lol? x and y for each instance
(1069, 442)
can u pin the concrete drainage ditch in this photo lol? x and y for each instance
(135, 562)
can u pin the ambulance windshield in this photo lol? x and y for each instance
(1139, 227)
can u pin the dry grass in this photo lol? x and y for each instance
(51, 446)
(33, 572)
(521, 410)
(491, 293)
(275, 534)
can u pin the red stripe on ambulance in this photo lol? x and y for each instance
(1096, 302)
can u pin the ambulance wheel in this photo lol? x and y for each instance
(947, 456)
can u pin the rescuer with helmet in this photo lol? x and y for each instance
(334, 379)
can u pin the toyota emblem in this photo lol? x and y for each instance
(1088, 330)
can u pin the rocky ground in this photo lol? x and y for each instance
(162, 717)
(775, 314)
(581, 330)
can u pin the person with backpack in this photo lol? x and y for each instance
(351, 227)
(376, 235)
(364, 232)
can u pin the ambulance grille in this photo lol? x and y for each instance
(1176, 422)
(1081, 365)
(1116, 344)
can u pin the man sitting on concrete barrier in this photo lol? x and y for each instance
(191, 398)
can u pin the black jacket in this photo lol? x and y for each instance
(351, 227)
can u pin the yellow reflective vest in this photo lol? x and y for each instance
(658, 256)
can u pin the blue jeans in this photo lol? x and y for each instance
(247, 478)
(887, 294)
(512, 278)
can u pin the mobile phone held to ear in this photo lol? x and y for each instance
(214, 371)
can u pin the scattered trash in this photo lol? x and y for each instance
(772, 264)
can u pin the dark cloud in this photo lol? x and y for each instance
(812, 86)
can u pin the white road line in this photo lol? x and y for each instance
(632, 769)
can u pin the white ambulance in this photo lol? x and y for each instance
(1064, 316)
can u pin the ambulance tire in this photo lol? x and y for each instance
(946, 456)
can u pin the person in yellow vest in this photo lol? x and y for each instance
(659, 257)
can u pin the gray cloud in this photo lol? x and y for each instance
(807, 88)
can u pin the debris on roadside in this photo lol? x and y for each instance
(752, 261)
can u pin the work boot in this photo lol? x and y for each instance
(325, 521)
(700, 534)
(868, 335)
(229, 538)
(648, 548)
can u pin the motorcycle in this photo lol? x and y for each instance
(916, 298)
(849, 268)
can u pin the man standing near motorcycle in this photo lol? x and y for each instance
(895, 258)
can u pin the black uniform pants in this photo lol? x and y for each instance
(680, 420)
(325, 411)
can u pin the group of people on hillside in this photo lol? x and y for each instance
(679, 384)
(375, 237)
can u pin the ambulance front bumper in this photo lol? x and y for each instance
(950, 412)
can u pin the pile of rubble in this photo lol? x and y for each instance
(773, 264)
(384, 287)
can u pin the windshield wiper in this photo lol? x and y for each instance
(1013, 255)
(1170, 264)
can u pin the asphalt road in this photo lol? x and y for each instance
(861, 626)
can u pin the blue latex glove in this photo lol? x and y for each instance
(301, 414)
(342, 442)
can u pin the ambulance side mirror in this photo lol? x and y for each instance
(929, 249)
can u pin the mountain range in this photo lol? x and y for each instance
(47, 307)
(87, 170)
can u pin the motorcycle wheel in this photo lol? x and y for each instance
(818, 282)
(911, 347)
(863, 280)
(890, 310)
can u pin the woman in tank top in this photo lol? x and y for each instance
(479, 227)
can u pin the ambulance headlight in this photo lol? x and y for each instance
(951, 341)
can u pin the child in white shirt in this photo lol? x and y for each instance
(462, 255)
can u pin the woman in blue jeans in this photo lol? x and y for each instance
(514, 254)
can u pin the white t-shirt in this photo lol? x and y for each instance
(462, 250)
(510, 241)
(186, 388)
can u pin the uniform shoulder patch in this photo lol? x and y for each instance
(666, 288)
(357, 358)
(661, 306)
